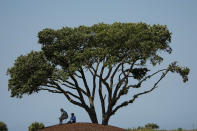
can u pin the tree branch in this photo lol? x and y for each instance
(71, 87)
(85, 82)
(78, 75)
(59, 89)
(78, 89)
(94, 79)
(108, 74)
(147, 77)
(134, 86)
(113, 74)
(72, 101)
(75, 96)
(121, 81)
(125, 103)
(66, 84)
(100, 91)
(50, 90)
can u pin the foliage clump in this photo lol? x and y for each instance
(3, 126)
(35, 126)
(147, 127)
(152, 126)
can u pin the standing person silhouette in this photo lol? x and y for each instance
(72, 118)
(64, 116)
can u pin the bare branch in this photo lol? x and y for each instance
(79, 90)
(123, 91)
(84, 81)
(133, 86)
(66, 93)
(124, 79)
(73, 101)
(78, 75)
(70, 83)
(71, 87)
(91, 71)
(50, 90)
(94, 80)
(108, 74)
(147, 77)
(113, 74)
(51, 86)
(66, 84)
(100, 91)
(125, 103)
(75, 96)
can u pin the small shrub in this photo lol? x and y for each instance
(152, 126)
(140, 127)
(129, 129)
(3, 126)
(35, 126)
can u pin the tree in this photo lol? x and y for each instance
(3, 126)
(104, 60)
(36, 126)
(152, 126)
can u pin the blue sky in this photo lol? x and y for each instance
(171, 106)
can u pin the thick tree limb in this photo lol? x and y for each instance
(94, 80)
(79, 90)
(113, 74)
(85, 82)
(100, 91)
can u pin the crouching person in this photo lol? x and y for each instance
(64, 116)
(72, 118)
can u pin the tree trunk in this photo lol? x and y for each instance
(105, 119)
(108, 114)
(92, 115)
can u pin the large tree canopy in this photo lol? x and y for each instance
(115, 57)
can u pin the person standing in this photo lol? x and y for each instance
(64, 116)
